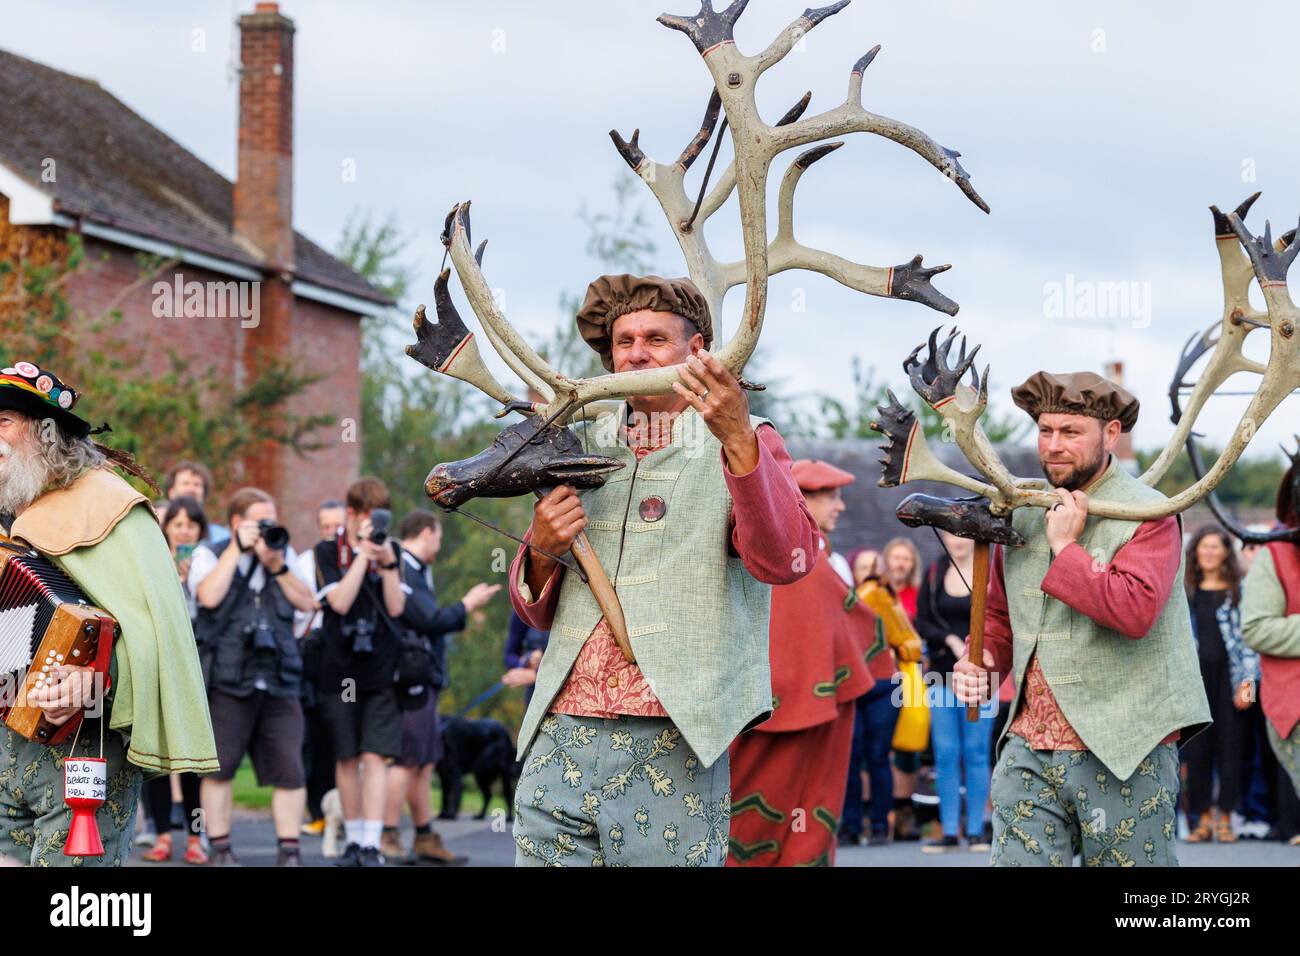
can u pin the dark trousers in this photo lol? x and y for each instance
(1259, 769)
(873, 737)
(1216, 751)
(318, 761)
(158, 798)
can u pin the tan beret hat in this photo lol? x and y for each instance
(1076, 393)
(610, 297)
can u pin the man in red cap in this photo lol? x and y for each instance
(793, 766)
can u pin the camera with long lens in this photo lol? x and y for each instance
(275, 536)
(381, 520)
(362, 634)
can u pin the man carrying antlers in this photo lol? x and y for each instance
(625, 762)
(1089, 615)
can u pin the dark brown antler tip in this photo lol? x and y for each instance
(816, 16)
(794, 112)
(864, 61)
(628, 149)
(811, 156)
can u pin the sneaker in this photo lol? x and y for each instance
(429, 848)
(314, 828)
(351, 856)
(943, 844)
(981, 842)
(224, 857)
(370, 856)
(1253, 830)
(285, 857)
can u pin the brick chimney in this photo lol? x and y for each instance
(263, 207)
(1114, 371)
(264, 182)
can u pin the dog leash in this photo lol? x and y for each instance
(490, 692)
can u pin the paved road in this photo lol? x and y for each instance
(487, 844)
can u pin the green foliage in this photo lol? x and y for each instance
(1250, 483)
(412, 419)
(852, 419)
(186, 411)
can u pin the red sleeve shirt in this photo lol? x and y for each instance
(1126, 595)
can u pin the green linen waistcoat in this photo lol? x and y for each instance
(1122, 696)
(696, 618)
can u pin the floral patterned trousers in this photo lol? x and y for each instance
(1049, 805)
(33, 817)
(623, 791)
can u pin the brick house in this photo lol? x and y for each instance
(75, 158)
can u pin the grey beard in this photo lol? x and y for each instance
(23, 476)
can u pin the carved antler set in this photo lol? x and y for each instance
(449, 347)
(1242, 257)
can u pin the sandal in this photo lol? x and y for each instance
(161, 851)
(1223, 831)
(194, 852)
(1204, 831)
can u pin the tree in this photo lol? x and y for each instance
(1250, 483)
(187, 411)
(411, 419)
(853, 419)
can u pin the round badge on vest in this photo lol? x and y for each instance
(652, 508)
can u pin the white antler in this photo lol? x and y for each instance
(755, 144)
(907, 457)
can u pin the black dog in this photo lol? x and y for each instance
(482, 748)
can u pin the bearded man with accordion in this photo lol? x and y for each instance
(98, 666)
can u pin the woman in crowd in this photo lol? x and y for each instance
(961, 747)
(184, 525)
(900, 564)
(873, 735)
(1230, 671)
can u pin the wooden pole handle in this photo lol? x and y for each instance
(978, 600)
(603, 591)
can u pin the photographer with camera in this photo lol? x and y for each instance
(422, 674)
(253, 668)
(359, 586)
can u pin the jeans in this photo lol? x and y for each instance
(873, 736)
(961, 750)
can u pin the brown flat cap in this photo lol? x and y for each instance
(610, 297)
(1076, 393)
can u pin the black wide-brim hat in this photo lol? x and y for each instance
(38, 393)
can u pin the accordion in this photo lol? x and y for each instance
(45, 620)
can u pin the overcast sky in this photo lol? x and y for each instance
(1098, 133)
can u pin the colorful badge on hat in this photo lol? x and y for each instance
(39, 393)
(39, 382)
